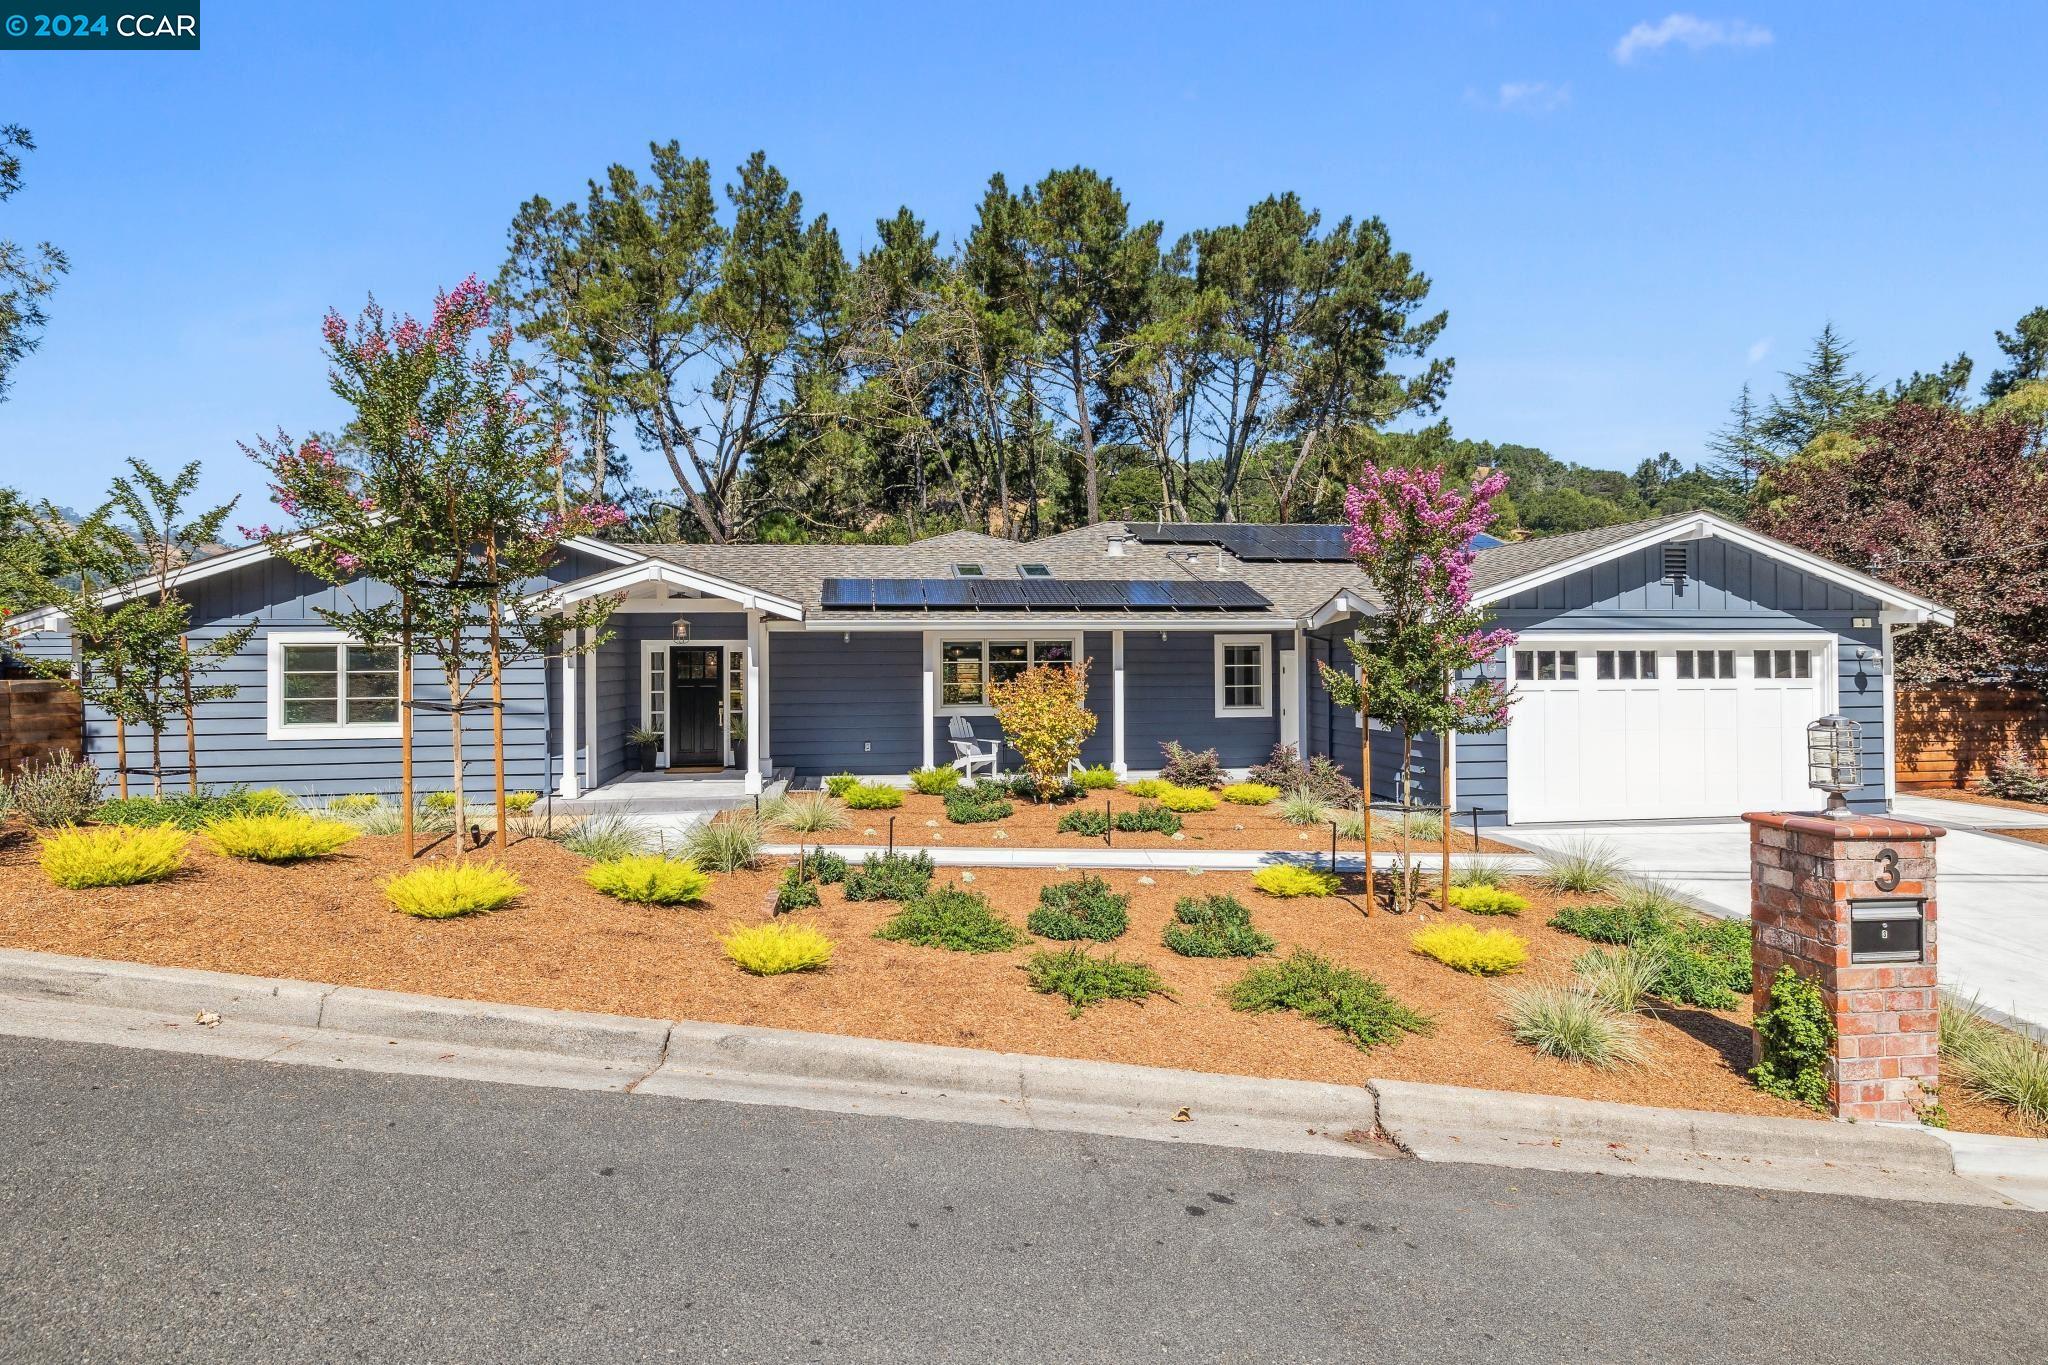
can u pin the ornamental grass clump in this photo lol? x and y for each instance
(1087, 820)
(871, 796)
(1214, 926)
(934, 781)
(890, 877)
(356, 803)
(1299, 807)
(1624, 980)
(650, 879)
(465, 886)
(950, 918)
(1483, 869)
(1083, 979)
(278, 838)
(1250, 794)
(1585, 867)
(1573, 1024)
(1288, 881)
(1487, 900)
(1187, 799)
(1085, 907)
(1481, 952)
(725, 844)
(1337, 997)
(603, 838)
(979, 804)
(773, 949)
(808, 813)
(1994, 1063)
(113, 855)
(1148, 818)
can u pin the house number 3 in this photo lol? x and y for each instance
(1888, 870)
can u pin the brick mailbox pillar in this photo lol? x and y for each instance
(1849, 904)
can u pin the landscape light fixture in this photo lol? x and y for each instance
(1833, 764)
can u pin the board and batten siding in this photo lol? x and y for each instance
(1730, 589)
(233, 744)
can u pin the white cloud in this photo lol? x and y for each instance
(1533, 97)
(1758, 349)
(1690, 31)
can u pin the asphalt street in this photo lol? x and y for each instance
(159, 1207)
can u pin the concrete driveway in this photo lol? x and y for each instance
(1993, 891)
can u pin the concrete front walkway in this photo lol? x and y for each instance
(1993, 891)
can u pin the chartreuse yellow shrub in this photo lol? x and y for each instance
(356, 803)
(463, 887)
(871, 796)
(1482, 952)
(1488, 900)
(1148, 787)
(1287, 881)
(1095, 778)
(1250, 794)
(113, 855)
(521, 802)
(772, 949)
(277, 838)
(649, 879)
(1184, 799)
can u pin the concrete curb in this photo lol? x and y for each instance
(168, 990)
(617, 1039)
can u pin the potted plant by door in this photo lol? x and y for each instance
(649, 743)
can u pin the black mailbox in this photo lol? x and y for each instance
(1888, 930)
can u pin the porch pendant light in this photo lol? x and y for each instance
(1833, 763)
(680, 630)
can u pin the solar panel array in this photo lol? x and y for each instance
(1038, 594)
(1295, 543)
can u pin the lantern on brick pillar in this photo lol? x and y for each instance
(1833, 763)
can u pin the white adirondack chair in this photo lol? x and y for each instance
(969, 751)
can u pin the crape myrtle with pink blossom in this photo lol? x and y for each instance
(1420, 659)
(442, 487)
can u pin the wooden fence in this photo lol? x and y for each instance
(1949, 736)
(39, 719)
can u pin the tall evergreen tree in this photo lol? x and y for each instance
(2026, 353)
(27, 274)
(1824, 395)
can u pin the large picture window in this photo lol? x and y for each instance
(326, 686)
(1244, 675)
(967, 667)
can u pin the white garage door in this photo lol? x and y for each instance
(1699, 727)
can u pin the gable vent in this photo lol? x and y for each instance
(1678, 562)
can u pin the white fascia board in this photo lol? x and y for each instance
(1702, 524)
(651, 570)
(598, 549)
(1047, 622)
(1346, 603)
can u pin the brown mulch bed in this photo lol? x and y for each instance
(1976, 798)
(564, 946)
(2033, 835)
(922, 820)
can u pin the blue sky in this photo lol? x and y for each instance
(1623, 228)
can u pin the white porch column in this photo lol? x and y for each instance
(753, 702)
(1116, 725)
(931, 698)
(571, 668)
(590, 716)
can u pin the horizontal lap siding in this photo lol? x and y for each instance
(840, 705)
(1731, 589)
(1170, 694)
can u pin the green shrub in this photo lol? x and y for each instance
(840, 783)
(649, 879)
(1186, 768)
(1483, 869)
(934, 781)
(1607, 924)
(1795, 1036)
(278, 838)
(725, 844)
(808, 813)
(1082, 979)
(890, 877)
(465, 886)
(192, 812)
(1337, 997)
(1250, 794)
(1148, 819)
(978, 804)
(57, 791)
(796, 892)
(772, 949)
(871, 796)
(1573, 1024)
(1585, 867)
(1462, 948)
(114, 855)
(951, 918)
(1083, 908)
(1186, 799)
(828, 868)
(2014, 776)
(1148, 787)
(1320, 778)
(1487, 900)
(1087, 820)
(1096, 778)
(1298, 807)
(1288, 881)
(1994, 1063)
(1214, 926)
(1621, 980)
(1706, 963)
(603, 838)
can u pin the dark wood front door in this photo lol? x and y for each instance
(694, 740)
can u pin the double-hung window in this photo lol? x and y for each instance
(1244, 675)
(967, 667)
(323, 685)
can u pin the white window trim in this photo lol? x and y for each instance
(649, 651)
(1265, 647)
(274, 726)
(935, 652)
